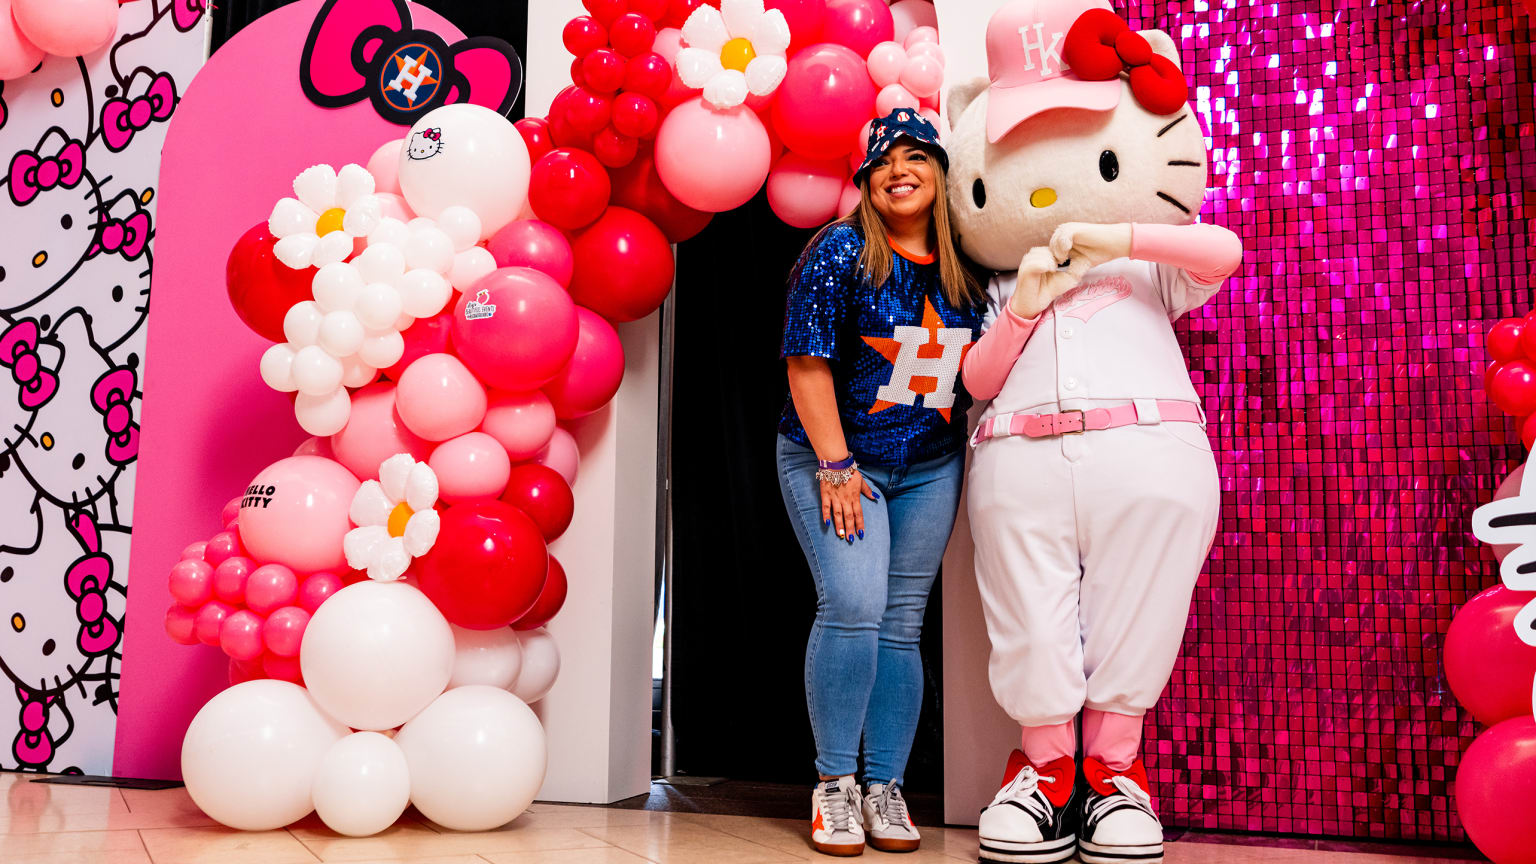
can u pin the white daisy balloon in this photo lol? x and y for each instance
(734, 51)
(331, 209)
(395, 519)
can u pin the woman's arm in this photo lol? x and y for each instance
(815, 398)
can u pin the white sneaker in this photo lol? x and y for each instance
(835, 826)
(886, 820)
(1033, 817)
(1119, 825)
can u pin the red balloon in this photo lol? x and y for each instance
(426, 336)
(568, 188)
(826, 96)
(648, 75)
(549, 602)
(603, 70)
(487, 567)
(596, 370)
(282, 668)
(1487, 666)
(678, 12)
(624, 266)
(859, 24)
(653, 10)
(543, 495)
(578, 73)
(1527, 338)
(635, 115)
(1489, 372)
(1528, 432)
(588, 111)
(632, 34)
(583, 35)
(261, 288)
(531, 243)
(1496, 791)
(1504, 341)
(613, 148)
(606, 11)
(638, 187)
(804, 18)
(563, 134)
(1514, 388)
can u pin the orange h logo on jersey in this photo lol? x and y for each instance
(926, 361)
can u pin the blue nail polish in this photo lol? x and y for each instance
(827, 524)
(861, 535)
(876, 494)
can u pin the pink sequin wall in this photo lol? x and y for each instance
(1374, 159)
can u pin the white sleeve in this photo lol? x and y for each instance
(1180, 293)
(999, 289)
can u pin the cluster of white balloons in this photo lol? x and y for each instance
(400, 708)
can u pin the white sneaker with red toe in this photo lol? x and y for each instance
(836, 818)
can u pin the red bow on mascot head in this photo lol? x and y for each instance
(1101, 45)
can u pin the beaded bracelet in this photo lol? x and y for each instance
(836, 477)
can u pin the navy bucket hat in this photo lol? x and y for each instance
(900, 123)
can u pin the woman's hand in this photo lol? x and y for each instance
(841, 507)
(1041, 281)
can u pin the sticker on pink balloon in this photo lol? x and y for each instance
(516, 328)
(522, 422)
(471, 467)
(589, 381)
(295, 513)
(439, 398)
(375, 432)
(535, 244)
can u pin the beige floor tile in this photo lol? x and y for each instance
(688, 842)
(26, 798)
(406, 840)
(570, 816)
(114, 856)
(436, 859)
(85, 845)
(223, 846)
(595, 855)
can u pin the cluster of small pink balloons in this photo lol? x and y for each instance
(30, 29)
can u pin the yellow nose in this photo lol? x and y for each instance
(1042, 197)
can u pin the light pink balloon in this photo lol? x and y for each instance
(669, 41)
(295, 513)
(919, 35)
(284, 631)
(240, 635)
(317, 588)
(886, 61)
(849, 200)
(271, 587)
(384, 165)
(931, 116)
(561, 454)
(804, 192)
(893, 97)
(908, 15)
(18, 55)
(375, 432)
(68, 28)
(521, 422)
(471, 467)
(531, 243)
(922, 76)
(191, 582)
(393, 206)
(595, 371)
(927, 49)
(712, 160)
(1508, 489)
(860, 148)
(229, 579)
(439, 398)
(313, 446)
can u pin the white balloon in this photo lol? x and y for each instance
(362, 784)
(250, 755)
(391, 232)
(336, 287)
(489, 657)
(316, 372)
(380, 262)
(423, 293)
(477, 160)
(383, 350)
(357, 373)
(301, 323)
(429, 248)
(541, 665)
(461, 225)
(341, 333)
(477, 756)
(323, 415)
(376, 653)
(379, 305)
(277, 368)
(470, 266)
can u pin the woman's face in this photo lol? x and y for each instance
(902, 183)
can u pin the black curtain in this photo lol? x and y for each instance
(743, 598)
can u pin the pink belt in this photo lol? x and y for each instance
(1142, 412)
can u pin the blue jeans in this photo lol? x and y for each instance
(863, 672)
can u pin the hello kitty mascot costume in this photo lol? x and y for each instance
(1093, 495)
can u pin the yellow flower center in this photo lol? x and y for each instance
(736, 54)
(329, 221)
(398, 518)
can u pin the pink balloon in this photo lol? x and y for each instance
(860, 147)
(893, 97)
(313, 446)
(426, 336)
(886, 61)
(804, 18)
(595, 371)
(439, 398)
(920, 35)
(270, 587)
(669, 41)
(241, 671)
(712, 160)
(521, 422)
(284, 631)
(191, 582)
(926, 49)
(240, 635)
(1508, 489)
(282, 668)
(849, 200)
(561, 455)
(208, 621)
(68, 28)
(181, 624)
(295, 513)
(858, 24)
(931, 116)
(1495, 783)
(18, 55)
(393, 206)
(522, 330)
(825, 97)
(221, 546)
(471, 467)
(922, 76)
(317, 588)
(229, 579)
(531, 243)
(805, 192)
(194, 551)
(375, 432)
(384, 165)
(908, 15)
(230, 511)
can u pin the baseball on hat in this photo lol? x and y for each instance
(1024, 43)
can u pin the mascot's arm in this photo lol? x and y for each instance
(1201, 257)
(987, 364)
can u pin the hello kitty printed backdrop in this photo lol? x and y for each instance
(80, 141)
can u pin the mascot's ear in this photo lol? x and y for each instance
(962, 95)
(1162, 44)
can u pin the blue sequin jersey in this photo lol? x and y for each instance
(894, 351)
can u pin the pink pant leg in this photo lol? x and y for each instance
(1113, 739)
(1045, 744)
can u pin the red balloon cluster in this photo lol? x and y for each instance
(617, 80)
(1511, 377)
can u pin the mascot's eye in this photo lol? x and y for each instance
(1109, 166)
(67, 222)
(979, 193)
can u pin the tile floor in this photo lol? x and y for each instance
(52, 824)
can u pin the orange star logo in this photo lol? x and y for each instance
(929, 353)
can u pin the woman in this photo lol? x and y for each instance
(881, 310)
